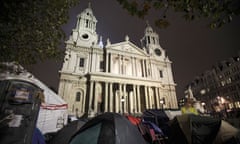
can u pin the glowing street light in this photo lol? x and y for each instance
(122, 100)
(162, 101)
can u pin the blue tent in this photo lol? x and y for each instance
(38, 138)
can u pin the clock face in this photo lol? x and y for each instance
(85, 36)
(157, 52)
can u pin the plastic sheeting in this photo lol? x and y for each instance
(53, 112)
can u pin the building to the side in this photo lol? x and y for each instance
(219, 86)
(119, 77)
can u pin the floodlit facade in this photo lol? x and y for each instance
(219, 86)
(119, 77)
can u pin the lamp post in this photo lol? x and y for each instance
(222, 103)
(162, 102)
(203, 104)
(122, 100)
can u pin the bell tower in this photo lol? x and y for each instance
(150, 42)
(83, 52)
(85, 32)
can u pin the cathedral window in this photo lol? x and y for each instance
(149, 71)
(101, 65)
(78, 96)
(161, 74)
(81, 63)
(153, 40)
(86, 23)
(148, 39)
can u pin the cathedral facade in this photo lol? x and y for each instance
(119, 77)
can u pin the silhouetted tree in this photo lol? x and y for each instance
(30, 30)
(219, 12)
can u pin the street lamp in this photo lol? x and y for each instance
(162, 102)
(203, 104)
(122, 100)
(222, 102)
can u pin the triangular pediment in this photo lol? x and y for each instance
(127, 47)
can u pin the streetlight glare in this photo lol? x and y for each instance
(122, 99)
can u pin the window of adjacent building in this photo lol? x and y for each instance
(81, 63)
(161, 74)
(78, 96)
(222, 83)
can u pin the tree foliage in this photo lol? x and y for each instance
(219, 12)
(30, 30)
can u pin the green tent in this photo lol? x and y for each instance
(108, 128)
(194, 129)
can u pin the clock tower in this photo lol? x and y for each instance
(150, 42)
(85, 32)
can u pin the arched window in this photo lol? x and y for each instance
(78, 96)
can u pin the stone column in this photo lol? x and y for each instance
(160, 97)
(107, 61)
(110, 66)
(76, 64)
(133, 72)
(119, 98)
(90, 97)
(143, 68)
(119, 64)
(106, 97)
(150, 65)
(116, 95)
(111, 98)
(134, 99)
(83, 101)
(135, 67)
(96, 99)
(125, 98)
(157, 98)
(146, 97)
(138, 99)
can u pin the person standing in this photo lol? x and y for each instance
(188, 108)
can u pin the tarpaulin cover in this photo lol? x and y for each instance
(38, 138)
(64, 135)
(193, 129)
(108, 128)
(53, 111)
(133, 120)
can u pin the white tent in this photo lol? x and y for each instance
(172, 113)
(53, 112)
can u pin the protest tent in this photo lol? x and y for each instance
(53, 111)
(227, 133)
(158, 117)
(38, 138)
(108, 128)
(153, 133)
(64, 135)
(133, 120)
(194, 129)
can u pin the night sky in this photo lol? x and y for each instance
(191, 46)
